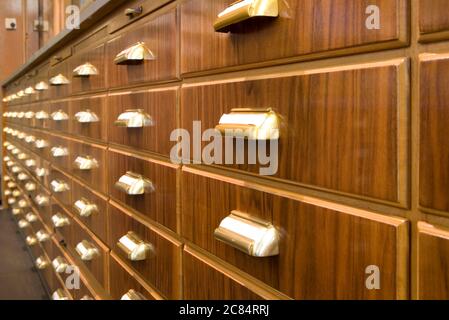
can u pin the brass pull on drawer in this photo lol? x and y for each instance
(134, 55)
(59, 80)
(30, 139)
(21, 135)
(85, 70)
(42, 263)
(22, 177)
(31, 217)
(11, 184)
(87, 251)
(59, 115)
(252, 236)
(59, 152)
(59, 295)
(10, 164)
(41, 115)
(85, 163)
(134, 184)
(30, 186)
(85, 208)
(134, 247)
(16, 193)
(11, 201)
(15, 151)
(30, 163)
(41, 172)
(245, 10)
(17, 212)
(133, 295)
(60, 221)
(41, 200)
(134, 119)
(59, 186)
(22, 156)
(253, 124)
(132, 12)
(23, 224)
(29, 91)
(16, 169)
(42, 236)
(86, 116)
(21, 93)
(7, 193)
(60, 264)
(31, 240)
(41, 144)
(29, 115)
(41, 86)
(23, 204)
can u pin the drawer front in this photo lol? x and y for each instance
(339, 241)
(60, 153)
(59, 116)
(88, 117)
(62, 86)
(42, 146)
(203, 282)
(158, 107)
(89, 165)
(159, 36)
(61, 187)
(42, 171)
(433, 22)
(91, 209)
(64, 231)
(42, 115)
(369, 115)
(308, 26)
(41, 84)
(88, 70)
(158, 203)
(42, 201)
(434, 118)
(121, 281)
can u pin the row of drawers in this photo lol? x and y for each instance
(214, 225)
(249, 43)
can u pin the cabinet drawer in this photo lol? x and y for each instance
(122, 281)
(63, 230)
(204, 282)
(434, 118)
(88, 117)
(151, 121)
(41, 171)
(433, 21)
(89, 164)
(159, 35)
(41, 115)
(433, 253)
(160, 262)
(29, 117)
(59, 81)
(42, 145)
(42, 201)
(59, 116)
(343, 240)
(41, 84)
(60, 152)
(91, 209)
(367, 116)
(60, 185)
(88, 70)
(158, 200)
(302, 29)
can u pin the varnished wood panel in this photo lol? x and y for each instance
(433, 263)
(160, 205)
(434, 126)
(160, 35)
(323, 253)
(162, 268)
(203, 282)
(95, 56)
(160, 105)
(303, 27)
(433, 19)
(333, 125)
(94, 130)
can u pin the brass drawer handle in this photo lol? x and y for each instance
(29, 91)
(31, 241)
(30, 186)
(16, 169)
(86, 298)
(59, 186)
(29, 115)
(59, 115)
(59, 152)
(10, 164)
(10, 147)
(252, 236)
(244, 10)
(60, 264)
(42, 200)
(30, 139)
(23, 224)
(253, 124)
(21, 135)
(41, 144)
(23, 204)
(135, 248)
(85, 70)
(42, 263)
(85, 208)
(16, 193)
(7, 178)
(7, 192)
(135, 54)
(17, 212)
(134, 184)
(42, 236)
(87, 251)
(133, 295)
(41, 115)
(22, 177)
(22, 156)
(59, 295)
(60, 221)
(21, 93)
(86, 116)
(41, 86)
(31, 217)
(11, 201)
(134, 119)
(85, 163)
(132, 12)
(59, 80)
(15, 151)
(11, 184)
(6, 159)
(41, 172)
(20, 115)
(30, 163)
